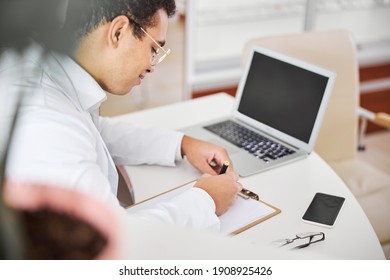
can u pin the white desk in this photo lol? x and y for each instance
(290, 188)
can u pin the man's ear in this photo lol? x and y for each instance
(116, 31)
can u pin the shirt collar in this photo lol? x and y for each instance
(88, 92)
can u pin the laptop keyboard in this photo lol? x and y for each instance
(244, 138)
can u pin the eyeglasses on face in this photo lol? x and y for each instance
(160, 53)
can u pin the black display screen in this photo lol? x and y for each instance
(282, 96)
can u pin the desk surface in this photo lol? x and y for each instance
(290, 188)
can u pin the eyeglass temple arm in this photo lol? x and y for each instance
(154, 41)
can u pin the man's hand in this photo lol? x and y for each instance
(223, 189)
(204, 156)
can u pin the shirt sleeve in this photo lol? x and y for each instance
(193, 208)
(132, 145)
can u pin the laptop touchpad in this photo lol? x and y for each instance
(246, 164)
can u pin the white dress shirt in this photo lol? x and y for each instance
(60, 139)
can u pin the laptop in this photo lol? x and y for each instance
(279, 107)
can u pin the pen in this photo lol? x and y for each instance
(224, 167)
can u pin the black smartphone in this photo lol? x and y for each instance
(324, 210)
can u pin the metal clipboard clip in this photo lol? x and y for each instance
(247, 194)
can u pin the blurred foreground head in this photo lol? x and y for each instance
(42, 19)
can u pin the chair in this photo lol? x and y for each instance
(338, 138)
(125, 193)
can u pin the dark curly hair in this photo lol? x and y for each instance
(84, 16)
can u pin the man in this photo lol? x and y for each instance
(60, 138)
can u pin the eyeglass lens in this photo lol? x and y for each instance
(159, 56)
(312, 238)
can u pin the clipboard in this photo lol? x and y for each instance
(247, 211)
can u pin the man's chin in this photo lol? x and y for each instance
(121, 92)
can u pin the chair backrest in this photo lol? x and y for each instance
(336, 51)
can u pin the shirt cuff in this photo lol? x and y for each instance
(179, 156)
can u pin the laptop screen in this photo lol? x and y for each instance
(282, 96)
